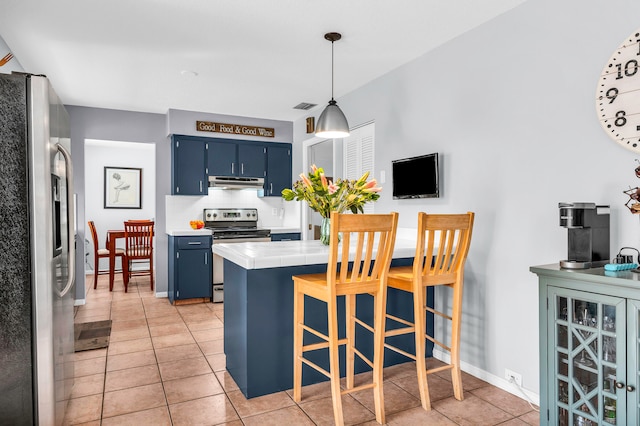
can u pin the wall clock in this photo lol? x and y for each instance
(618, 94)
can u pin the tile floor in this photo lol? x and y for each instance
(165, 366)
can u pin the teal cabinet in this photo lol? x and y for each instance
(278, 169)
(188, 166)
(190, 268)
(589, 347)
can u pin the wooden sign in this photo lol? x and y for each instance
(235, 129)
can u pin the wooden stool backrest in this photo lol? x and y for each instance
(444, 238)
(94, 235)
(367, 233)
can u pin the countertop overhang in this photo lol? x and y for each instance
(262, 255)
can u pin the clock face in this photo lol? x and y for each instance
(618, 94)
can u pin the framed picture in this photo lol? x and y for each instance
(122, 188)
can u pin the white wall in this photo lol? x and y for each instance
(100, 154)
(510, 106)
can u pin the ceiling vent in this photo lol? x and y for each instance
(304, 106)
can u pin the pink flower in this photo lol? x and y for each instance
(323, 179)
(332, 187)
(313, 168)
(306, 181)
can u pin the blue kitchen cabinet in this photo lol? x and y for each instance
(223, 158)
(278, 169)
(289, 236)
(251, 159)
(188, 166)
(190, 268)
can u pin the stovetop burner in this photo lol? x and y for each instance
(234, 223)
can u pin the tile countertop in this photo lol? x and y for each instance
(291, 253)
(188, 232)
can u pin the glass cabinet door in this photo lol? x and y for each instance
(587, 359)
(633, 362)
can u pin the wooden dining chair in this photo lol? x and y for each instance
(367, 241)
(441, 251)
(99, 253)
(138, 236)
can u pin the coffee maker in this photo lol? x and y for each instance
(588, 226)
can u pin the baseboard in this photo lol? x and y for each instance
(492, 379)
(162, 294)
(80, 302)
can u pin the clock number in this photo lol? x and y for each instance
(630, 69)
(612, 94)
(620, 120)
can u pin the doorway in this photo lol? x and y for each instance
(327, 154)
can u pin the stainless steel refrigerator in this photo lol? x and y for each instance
(37, 253)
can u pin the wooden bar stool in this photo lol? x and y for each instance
(363, 237)
(441, 252)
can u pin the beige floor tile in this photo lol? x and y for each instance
(315, 391)
(195, 308)
(439, 388)
(285, 416)
(89, 367)
(212, 347)
(184, 368)
(131, 400)
(128, 324)
(206, 335)
(130, 360)
(227, 382)
(198, 317)
(82, 410)
(321, 411)
(155, 416)
(155, 311)
(395, 399)
(174, 353)
(164, 320)
(218, 362)
(531, 418)
(166, 329)
(83, 319)
(128, 346)
(189, 388)
(129, 334)
(258, 405)
(88, 385)
(471, 411)
(94, 353)
(514, 422)
(206, 324)
(503, 399)
(418, 416)
(131, 377)
(172, 340)
(211, 410)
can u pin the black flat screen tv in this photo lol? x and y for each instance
(416, 177)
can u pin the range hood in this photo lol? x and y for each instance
(234, 182)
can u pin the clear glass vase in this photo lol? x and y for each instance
(325, 231)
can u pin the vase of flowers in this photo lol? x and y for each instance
(324, 196)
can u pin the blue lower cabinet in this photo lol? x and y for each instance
(289, 236)
(190, 268)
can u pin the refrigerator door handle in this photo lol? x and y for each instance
(71, 257)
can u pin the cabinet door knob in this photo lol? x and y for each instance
(630, 388)
(620, 385)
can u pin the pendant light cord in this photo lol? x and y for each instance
(331, 69)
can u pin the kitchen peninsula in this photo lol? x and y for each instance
(258, 312)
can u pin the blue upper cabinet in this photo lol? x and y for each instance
(223, 158)
(188, 166)
(278, 169)
(251, 157)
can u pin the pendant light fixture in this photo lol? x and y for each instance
(332, 122)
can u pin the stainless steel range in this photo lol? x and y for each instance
(231, 226)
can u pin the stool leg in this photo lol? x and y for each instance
(456, 375)
(419, 316)
(334, 364)
(298, 318)
(350, 312)
(96, 264)
(380, 307)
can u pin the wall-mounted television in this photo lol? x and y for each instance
(416, 177)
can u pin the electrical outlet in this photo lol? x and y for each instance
(513, 376)
(274, 212)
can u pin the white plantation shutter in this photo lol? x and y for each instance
(359, 155)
